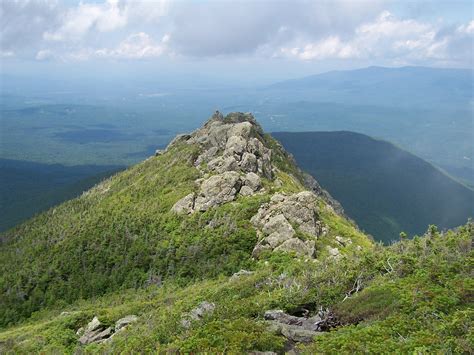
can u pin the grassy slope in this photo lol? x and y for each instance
(121, 233)
(384, 189)
(416, 297)
(93, 255)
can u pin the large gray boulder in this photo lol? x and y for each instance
(185, 205)
(299, 329)
(95, 332)
(218, 189)
(238, 136)
(196, 314)
(297, 246)
(123, 322)
(276, 222)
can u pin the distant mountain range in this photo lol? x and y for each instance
(428, 111)
(221, 244)
(385, 189)
(405, 86)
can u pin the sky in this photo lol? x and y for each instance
(247, 40)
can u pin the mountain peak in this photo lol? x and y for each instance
(233, 157)
(236, 160)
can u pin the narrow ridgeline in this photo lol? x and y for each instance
(220, 243)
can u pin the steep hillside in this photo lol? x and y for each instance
(221, 244)
(386, 190)
(27, 188)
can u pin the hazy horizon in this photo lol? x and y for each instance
(241, 42)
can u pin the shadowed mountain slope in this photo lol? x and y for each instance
(385, 189)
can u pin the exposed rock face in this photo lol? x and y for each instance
(334, 252)
(185, 205)
(231, 143)
(234, 159)
(296, 329)
(217, 190)
(231, 150)
(96, 332)
(276, 219)
(198, 313)
(123, 322)
(299, 329)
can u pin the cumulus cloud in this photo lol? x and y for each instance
(388, 37)
(22, 22)
(136, 46)
(88, 17)
(303, 30)
(235, 27)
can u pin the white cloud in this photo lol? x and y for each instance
(136, 46)
(388, 38)
(330, 47)
(467, 29)
(44, 54)
(6, 54)
(303, 30)
(80, 20)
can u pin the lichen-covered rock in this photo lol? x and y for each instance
(249, 162)
(334, 252)
(300, 329)
(123, 322)
(185, 205)
(276, 221)
(296, 329)
(233, 154)
(253, 181)
(297, 246)
(246, 191)
(280, 225)
(94, 324)
(95, 332)
(198, 313)
(217, 190)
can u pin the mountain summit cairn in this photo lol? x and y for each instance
(237, 159)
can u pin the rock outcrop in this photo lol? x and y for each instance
(299, 329)
(276, 222)
(197, 314)
(231, 143)
(233, 153)
(97, 332)
(235, 159)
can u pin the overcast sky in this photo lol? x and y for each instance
(261, 38)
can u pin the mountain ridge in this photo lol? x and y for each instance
(221, 243)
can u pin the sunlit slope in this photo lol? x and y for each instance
(123, 232)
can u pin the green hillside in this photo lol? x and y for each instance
(148, 261)
(27, 188)
(385, 189)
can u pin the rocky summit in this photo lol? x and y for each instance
(235, 159)
(221, 244)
